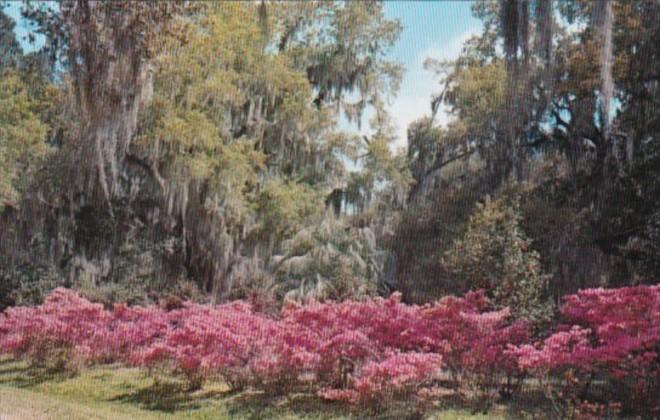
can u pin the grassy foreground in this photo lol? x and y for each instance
(115, 392)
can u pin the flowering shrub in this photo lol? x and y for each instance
(201, 341)
(470, 339)
(364, 352)
(65, 325)
(473, 343)
(334, 346)
(399, 375)
(614, 337)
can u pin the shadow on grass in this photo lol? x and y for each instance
(22, 375)
(10, 367)
(167, 397)
(257, 405)
(172, 395)
(11, 371)
(530, 404)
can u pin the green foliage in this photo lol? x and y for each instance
(495, 254)
(383, 181)
(284, 207)
(330, 260)
(27, 285)
(477, 92)
(138, 291)
(525, 94)
(342, 47)
(237, 147)
(424, 145)
(220, 87)
(240, 135)
(22, 137)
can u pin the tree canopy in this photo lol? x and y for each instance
(152, 147)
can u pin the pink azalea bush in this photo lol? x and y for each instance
(398, 375)
(361, 352)
(66, 326)
(330, 346)
(469, 336)
(201, 341)
(610, 336)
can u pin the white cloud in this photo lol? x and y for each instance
(418, 85)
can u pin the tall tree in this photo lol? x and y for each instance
(201, 136)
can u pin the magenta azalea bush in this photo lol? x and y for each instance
(608, 345)
(362, 352)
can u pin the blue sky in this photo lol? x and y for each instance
(13, 9)
(430, 29)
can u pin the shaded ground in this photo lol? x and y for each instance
(115, 392)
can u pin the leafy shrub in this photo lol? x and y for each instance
(27, 285)
(495, 254)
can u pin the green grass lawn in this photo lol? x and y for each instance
(115, 392)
